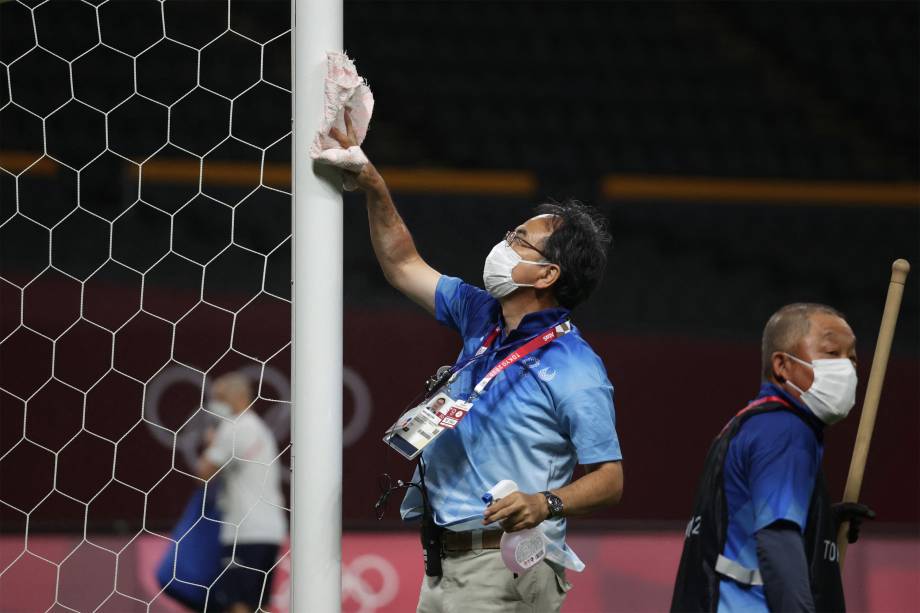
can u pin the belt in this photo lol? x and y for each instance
(472, 540)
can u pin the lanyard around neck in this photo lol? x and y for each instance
(753, 405)
(538, 342)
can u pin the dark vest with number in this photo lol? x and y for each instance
(697, 586)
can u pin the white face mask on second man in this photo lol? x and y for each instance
(218, 407)
(496, 274)
(833, 392)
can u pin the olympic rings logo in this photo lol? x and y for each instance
(358, 581)
(356, 587)
(277, 417)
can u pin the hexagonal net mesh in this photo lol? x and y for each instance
(144, 252)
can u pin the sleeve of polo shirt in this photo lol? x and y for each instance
(588, 417)
(456, 303)
(782, 459)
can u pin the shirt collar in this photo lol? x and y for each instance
(768, 388)
(536, 322)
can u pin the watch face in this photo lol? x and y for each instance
(555, 504)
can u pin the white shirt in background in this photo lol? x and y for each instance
(250, 495)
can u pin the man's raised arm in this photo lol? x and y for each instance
(402, 265)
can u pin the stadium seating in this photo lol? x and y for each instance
(794, 90)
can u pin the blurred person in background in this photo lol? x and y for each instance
(243, 453)
(763, 533)
(538, 418)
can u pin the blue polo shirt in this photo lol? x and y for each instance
(770, 472)
(536, 420)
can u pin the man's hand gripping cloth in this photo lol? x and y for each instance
(344, 89)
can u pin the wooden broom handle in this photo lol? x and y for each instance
(899, 270)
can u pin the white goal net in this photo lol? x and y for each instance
(144, 253)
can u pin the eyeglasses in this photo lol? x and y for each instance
(512, 237)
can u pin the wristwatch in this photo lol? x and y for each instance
(554, 503)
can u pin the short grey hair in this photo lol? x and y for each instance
(786, 328)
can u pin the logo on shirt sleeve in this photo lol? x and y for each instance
(547, 373)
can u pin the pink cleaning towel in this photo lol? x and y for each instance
(344, 89)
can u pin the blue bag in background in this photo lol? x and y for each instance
(197, 555)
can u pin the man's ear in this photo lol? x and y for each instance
(549, 276)
(781, 365)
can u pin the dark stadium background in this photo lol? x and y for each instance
(747, 155)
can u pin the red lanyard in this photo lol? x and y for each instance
(543, 339)
(488, 340)
(754, 405)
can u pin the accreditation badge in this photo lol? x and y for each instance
(421, 424)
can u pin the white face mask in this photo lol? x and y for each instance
(221, 408)
(833, 392)
(496, 274)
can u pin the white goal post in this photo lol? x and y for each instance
(316, 372)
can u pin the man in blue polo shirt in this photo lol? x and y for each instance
(539, 417)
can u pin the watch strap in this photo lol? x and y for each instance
(554, 503)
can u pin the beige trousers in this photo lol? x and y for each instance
(479, 582)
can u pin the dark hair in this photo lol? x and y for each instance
(786, 328)
(578, 244)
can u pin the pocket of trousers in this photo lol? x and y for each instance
(562, 584)
(533, 585)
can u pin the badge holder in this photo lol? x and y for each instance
(417, 427)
